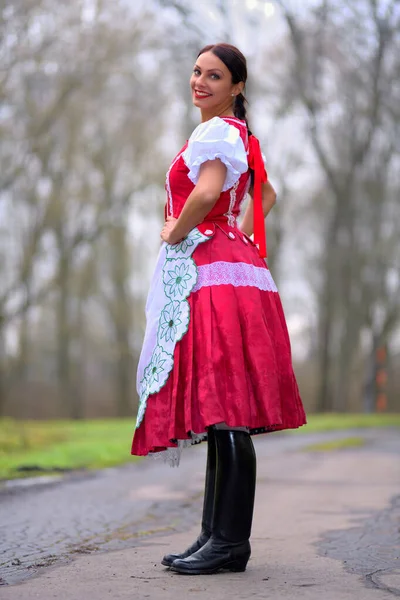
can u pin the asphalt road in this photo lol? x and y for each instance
(139, 508)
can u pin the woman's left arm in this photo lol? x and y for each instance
(268, 201)
(199, 203)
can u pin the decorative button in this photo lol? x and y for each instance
(246, 241)
(208, 232)
(231, 235)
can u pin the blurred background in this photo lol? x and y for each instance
(94, 104)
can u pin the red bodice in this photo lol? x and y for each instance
(179, 186)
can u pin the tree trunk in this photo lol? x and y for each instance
(66, 396)
(3, 394)
(369, 394)
(124, 372)
(324, 400)
(121, 315)
(325, 327)
(22, 366)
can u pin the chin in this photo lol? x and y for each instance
(201, 104)
(196, 101)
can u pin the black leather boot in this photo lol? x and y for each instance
(228, 546)
(208, 505)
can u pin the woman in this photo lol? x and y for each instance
(216, 359)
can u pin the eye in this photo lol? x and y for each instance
(215, 76)
(196, 71)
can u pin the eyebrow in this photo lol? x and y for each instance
(208, 70)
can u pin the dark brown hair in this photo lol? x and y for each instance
(235, 61)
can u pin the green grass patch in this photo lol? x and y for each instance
(351, 442)
(52, 445)
(94, 444)
(337, 421)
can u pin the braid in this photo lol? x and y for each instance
(239, 109)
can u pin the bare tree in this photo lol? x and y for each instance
(344, 91)
(74, 159)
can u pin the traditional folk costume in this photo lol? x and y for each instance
(216, 348)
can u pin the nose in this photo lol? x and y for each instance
(200, 79)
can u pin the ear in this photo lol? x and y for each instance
(238, 88)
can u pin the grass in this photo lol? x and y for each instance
(336, 421)
(51, 445)
(350, 442)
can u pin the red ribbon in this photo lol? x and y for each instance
(256, 163)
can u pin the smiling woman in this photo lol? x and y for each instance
(214, 85)
(216, 361)
(211, 84)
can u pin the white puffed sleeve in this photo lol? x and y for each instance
(216, 139)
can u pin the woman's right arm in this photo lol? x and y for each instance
(268, 201)
(200, 202)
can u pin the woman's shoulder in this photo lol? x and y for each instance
(235, 122)
(219, 128)
(240, 125)
(217, 138)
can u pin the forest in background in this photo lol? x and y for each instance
(94, 103)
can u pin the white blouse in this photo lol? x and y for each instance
(216, 139)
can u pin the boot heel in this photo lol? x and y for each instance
(239, 565)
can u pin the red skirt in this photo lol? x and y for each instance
(233, 365)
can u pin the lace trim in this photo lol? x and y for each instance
(236, 274)
(229, 215)
(172, 456)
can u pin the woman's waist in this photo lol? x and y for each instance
(222, 214)
(223, 222)
(225, 218)
(231, 230)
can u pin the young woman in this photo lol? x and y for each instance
(216, 360)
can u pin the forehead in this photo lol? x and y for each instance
(208, 60)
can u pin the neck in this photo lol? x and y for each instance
(218, 111)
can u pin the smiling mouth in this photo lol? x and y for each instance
(200, 94)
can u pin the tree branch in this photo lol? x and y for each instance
(308, 102)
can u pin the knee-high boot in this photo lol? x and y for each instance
(208, 505)
(228, 546)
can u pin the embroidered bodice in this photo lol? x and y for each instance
(223, 138)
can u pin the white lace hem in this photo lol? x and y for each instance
(172, 456)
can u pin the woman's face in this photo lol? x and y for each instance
(211, 82)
